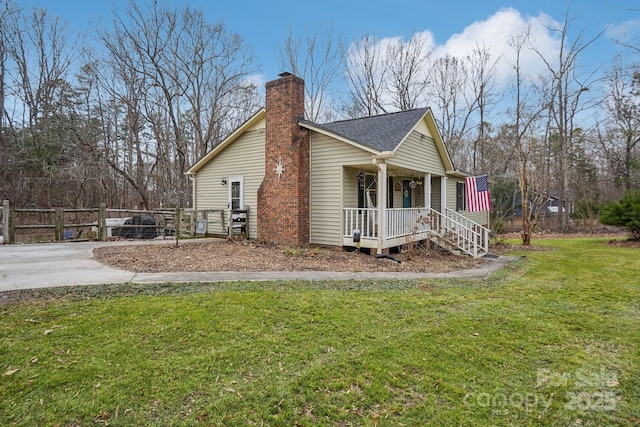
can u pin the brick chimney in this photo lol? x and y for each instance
(283, 196)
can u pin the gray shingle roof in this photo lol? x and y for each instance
(382, 133)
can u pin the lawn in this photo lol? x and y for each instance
(553, 339)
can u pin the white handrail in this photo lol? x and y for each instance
(479, 232)
(459, 231)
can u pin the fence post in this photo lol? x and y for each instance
(102, 222)
(178, 225)
(58, 225)
(12, 226)
(5, 222)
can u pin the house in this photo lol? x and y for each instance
(388, 178)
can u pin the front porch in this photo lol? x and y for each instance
(401, 226)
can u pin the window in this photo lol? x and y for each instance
(460, 196)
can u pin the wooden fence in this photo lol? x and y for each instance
(56, 224)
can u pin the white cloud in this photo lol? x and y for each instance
(626, 32)
(495, 34)
(258, 80)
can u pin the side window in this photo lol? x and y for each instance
(460, 199)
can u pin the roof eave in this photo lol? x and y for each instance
(315, 128)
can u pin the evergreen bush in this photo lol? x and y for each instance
(624, 213)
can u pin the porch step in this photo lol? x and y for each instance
(442, 241)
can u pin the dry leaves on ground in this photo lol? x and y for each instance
(628, 243)
(220, 255)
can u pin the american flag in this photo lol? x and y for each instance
(478, 197)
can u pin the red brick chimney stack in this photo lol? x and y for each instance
(283, 196)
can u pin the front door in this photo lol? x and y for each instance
(406, 194)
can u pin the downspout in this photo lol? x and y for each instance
(194, 206)
(443, 196)
(427, 191)
(379, 161)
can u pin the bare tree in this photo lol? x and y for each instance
(7, 16)
(121, 79)
(530, 150)
(6, 163)
(319, 59)
(620, 138)
(366, 75)
(481, 82)
(183, 85)
(387, 75)
(41, 55)
(568, 88)
(407, 62)
(448, 78)
(631, 44)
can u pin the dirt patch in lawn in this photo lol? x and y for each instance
(625, 243)
(220, 255)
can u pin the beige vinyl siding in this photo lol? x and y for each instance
(418, 152)
(350, 187)
(451, 194)
(418, 196)
(481, 218)
(436, 201)
(330, 182)
(397, 195)
(243, 158)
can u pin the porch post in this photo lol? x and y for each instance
(443, 196)
(382, 204)
(379, 162)
(427, 191)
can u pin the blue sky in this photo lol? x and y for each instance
(450, 26)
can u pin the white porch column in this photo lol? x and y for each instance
(382, 203)
(427, 191)
(380, 162)
(443, 196)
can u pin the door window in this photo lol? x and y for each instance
(235, 193)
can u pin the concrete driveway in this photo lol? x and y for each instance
(72, 263)
(54, 264)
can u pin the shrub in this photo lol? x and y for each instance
(587, 211)
(498, 226)
(624, 213)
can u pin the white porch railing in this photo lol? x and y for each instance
(455, 229)
(467, 235)
(364, 219)
(406, 221)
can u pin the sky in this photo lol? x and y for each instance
(451, 27)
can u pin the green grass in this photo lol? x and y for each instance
(552, 339)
